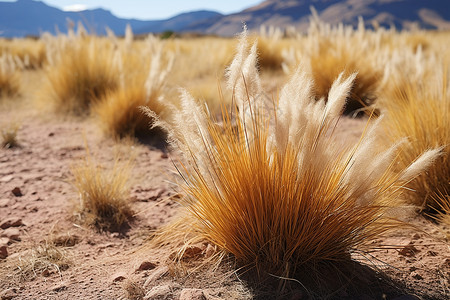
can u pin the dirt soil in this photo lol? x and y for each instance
(36, 212)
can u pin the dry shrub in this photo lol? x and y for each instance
(142, 83)
(103, 193)
(9, 77)
(420, 111)
(79, 73)
(271, 186)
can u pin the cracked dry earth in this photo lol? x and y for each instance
(36, 209)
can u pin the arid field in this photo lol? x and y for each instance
(267, 166)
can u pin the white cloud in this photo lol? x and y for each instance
(75, 7)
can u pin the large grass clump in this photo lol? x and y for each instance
(420, 110)
(79, 73)
(271, 186)
(103, 194)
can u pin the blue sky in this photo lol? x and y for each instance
(153, 9)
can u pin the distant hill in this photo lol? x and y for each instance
(428, 14)
(28, 17)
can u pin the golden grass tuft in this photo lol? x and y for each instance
(420, 111)
(80, 73)
(9, 77)
(119, 113)
(271, 186)
(103, 194)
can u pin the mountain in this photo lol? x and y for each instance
(403, 14)
(28, 17)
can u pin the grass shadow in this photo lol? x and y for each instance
(346, 280)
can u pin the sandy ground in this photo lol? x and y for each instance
(112, 266)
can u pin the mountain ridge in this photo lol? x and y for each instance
(403, 14)
(31, 18)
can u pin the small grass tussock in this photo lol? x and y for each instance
(9, 77)
(271, 186)
(79, 73)
(43, 259)
(103, 193)
(133, 290)
(420, 111)
(9, 136)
